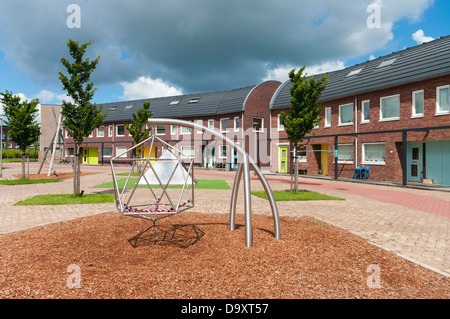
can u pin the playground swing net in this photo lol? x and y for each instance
(153, 195)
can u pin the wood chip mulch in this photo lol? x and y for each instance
(200, 258)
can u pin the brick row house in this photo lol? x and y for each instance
(242, 115)
(390, 115)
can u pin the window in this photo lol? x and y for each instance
(199, 122)
(70, 151)
(101, 131)
(387, 62)
(224, 125)
(92, 134)
(186, 130)
(222, 151)
(328, 117)
(173, 130)
(188, 151)
(442, 100)
(110, 130)
(417, 103)
(120, 150)
(160, 129)
(211, 124)
(120, 130)
(128, 107)
(236, 124)
(374, 153)
(346, 114)
(258, 124)
(107, 151)
(390, 108)
(301, 154)
(280, 126)
(365, 112)
(345, 153)
(194, 100)
(354, 72)
(174, 102)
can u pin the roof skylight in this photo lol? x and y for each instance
(174, 102)
(387, 62)
(354, 72)
(194, 100)
(128, 107)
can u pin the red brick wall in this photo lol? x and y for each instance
(392, 170)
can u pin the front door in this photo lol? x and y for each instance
(90, 155)
(283, 159)
(324, 159)
(415, 162)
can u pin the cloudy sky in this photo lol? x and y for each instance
(152, 48)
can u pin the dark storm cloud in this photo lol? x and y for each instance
(196, 45)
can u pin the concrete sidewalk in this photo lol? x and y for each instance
(412, 222)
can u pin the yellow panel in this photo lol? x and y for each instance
(324, 159)
(283, 159)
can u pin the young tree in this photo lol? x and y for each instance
(80, 117)
(136, 127)
(21, 118)
(305, 111)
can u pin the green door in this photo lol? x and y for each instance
(415, 162)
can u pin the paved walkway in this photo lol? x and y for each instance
(414, 223)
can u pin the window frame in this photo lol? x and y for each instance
(236, 127)
(199, 122)
(438, 98)
(363, 113)
(262, 124)
(381, 108)
(173, 130)
(365, 162)
(191, 150)
(117, 130)
(117, 152)
(327, 117)
(98, 131)
(353, 115)
(156, 130)
(280, 126)
(413, 111)
(221, 128)
(221, 151)
(211, 127)
(353, 154)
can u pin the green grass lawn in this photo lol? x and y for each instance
(64, 199)
(28, 181)
(281, 196)
(201, 184)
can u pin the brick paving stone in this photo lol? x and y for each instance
(412, 222)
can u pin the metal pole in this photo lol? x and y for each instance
(404, 158)
(234, 195)
(248, 207)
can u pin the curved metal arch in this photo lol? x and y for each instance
(243, 171)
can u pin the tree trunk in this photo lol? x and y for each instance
(76, 172)
(296, 171)
(23, 165)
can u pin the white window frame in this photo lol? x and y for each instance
(221, 149)
(211, 124)
(110, 130)
(438, 97)
(173, 130)
(280, 126)
(221, 129)
(353, 152)
(191, 152)
(372, 162)
(381, 108)
(348, 123)
(186, 130)
(121, 151)
(413, 111)
(156, 130)
(199, 122)
(117, 129)
(236, 127)
(327, 119)
(262, 124)
(104, 151)
(363, 113)
(98, 131)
